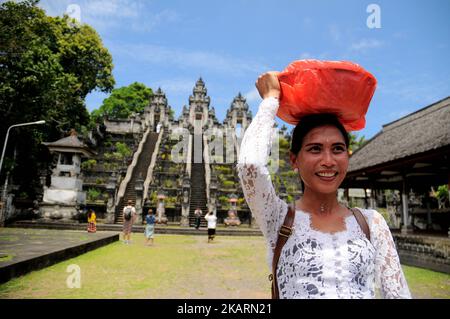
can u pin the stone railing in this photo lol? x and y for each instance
(431, 252)
(206, 161)
(149, 177)
(130, 169)
(237, 146)
(189, 156)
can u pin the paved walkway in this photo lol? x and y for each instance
(24, 249)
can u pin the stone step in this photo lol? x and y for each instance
(159, 229)
(140, 169)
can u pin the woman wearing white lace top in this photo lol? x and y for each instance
(328, 255)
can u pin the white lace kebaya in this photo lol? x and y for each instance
(315, 264)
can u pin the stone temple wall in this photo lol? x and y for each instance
(426, 252)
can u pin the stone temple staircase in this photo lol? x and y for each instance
(198, 191)
(140, 171)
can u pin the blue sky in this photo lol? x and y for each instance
(170, 44)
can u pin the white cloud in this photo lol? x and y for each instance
(163, 17)
(305, 55)
(179, 86)
(414, 90)
(334, 33)
(112, 8)
(95, 8)
(252, 96)
(54, 7)
(399, 35)
(398, 114)
(200, 60)
(365, 44)
(307, 23)
(319, 56)
(107, 14)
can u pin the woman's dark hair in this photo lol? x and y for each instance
(309, 122)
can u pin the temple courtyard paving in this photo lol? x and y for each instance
(176, 266)
(25, 250)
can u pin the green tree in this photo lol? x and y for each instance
(124, 101)
(47, 67)
(356, 142)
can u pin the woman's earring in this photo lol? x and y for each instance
(296, 170)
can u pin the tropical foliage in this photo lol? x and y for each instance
(47, 67)
(123, 102)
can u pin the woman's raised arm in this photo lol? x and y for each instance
(253, 172)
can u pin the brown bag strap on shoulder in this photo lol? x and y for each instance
(362, 222)
(283, 236)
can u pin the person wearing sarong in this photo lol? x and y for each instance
(129, 215)
(92, 221)
(212, 223)
(149, 228)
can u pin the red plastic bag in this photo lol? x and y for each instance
(339, 87)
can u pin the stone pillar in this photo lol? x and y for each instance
(429, 220)
(9, 208)
(185, 203)
(213, 195)
(139, 188)
(110, 207)
(3, 202)
(185, 210)
(161, 209)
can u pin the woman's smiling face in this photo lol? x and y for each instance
(322, 159)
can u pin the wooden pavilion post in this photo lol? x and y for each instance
(346, 197)
(406, 228)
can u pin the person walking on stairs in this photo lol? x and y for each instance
(198, 215)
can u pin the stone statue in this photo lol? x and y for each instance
(232, 219)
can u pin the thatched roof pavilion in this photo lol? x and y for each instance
(412, 152)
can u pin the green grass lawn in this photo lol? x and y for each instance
(175, 267)
(178, 267)
(427, 284)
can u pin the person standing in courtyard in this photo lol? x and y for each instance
(198, 215)
(129, 215)
(317, 248)
(149, 227)
(92, 221)
(212, 223)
